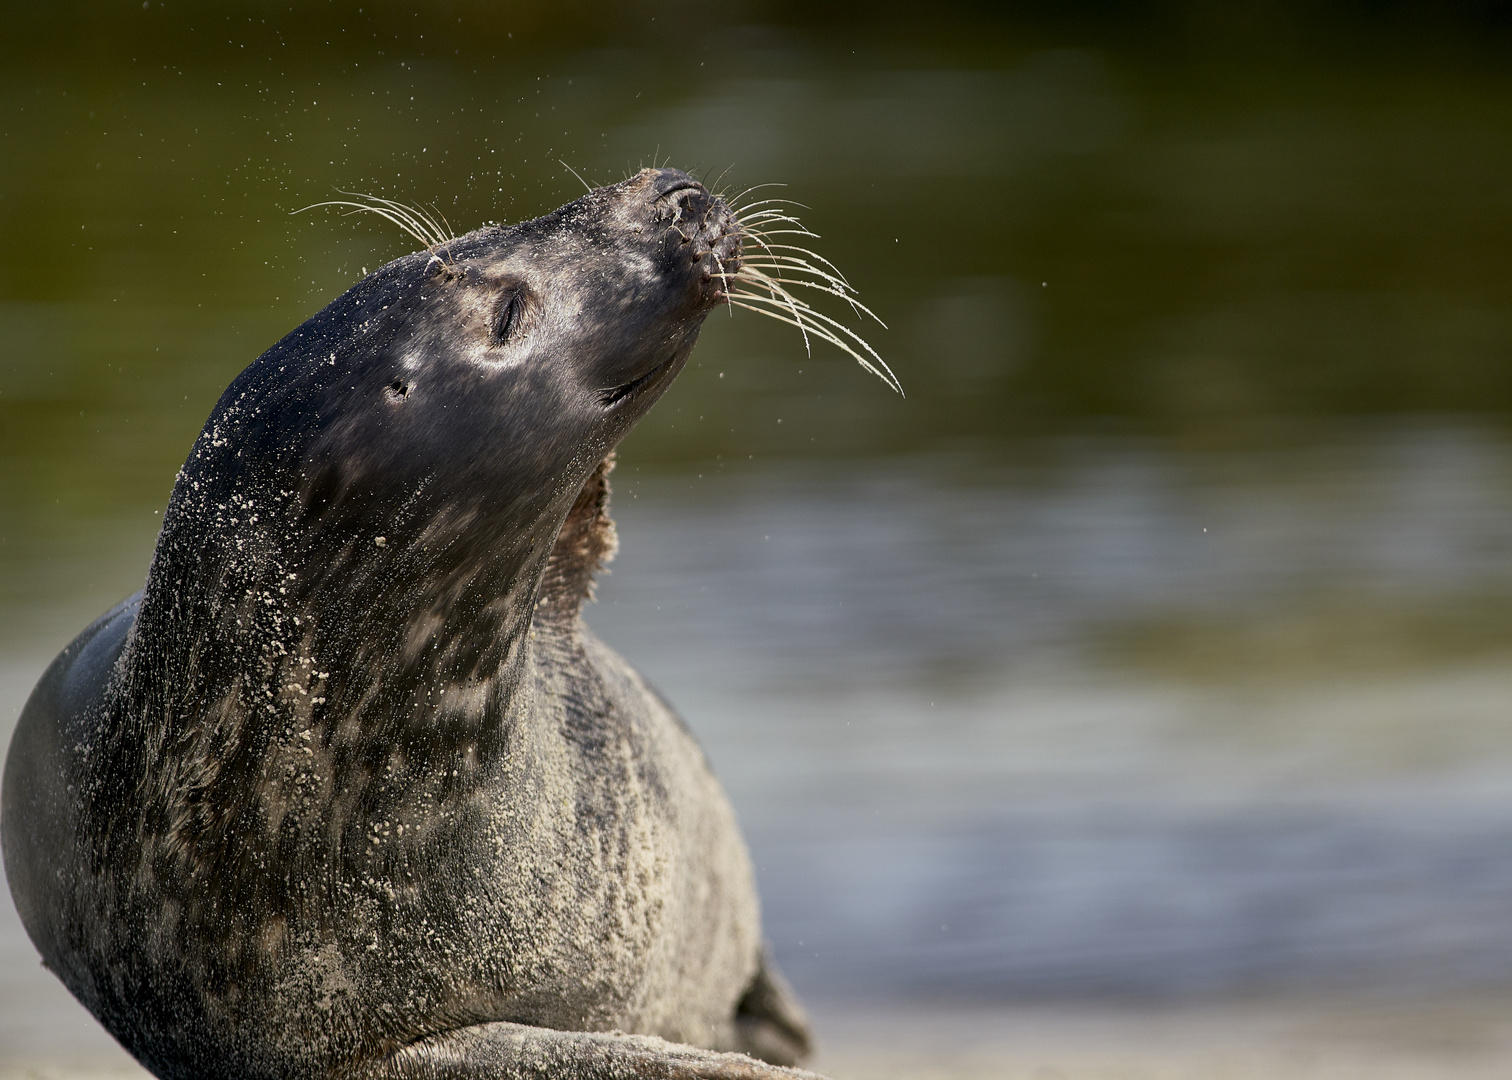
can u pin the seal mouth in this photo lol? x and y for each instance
(618, 394)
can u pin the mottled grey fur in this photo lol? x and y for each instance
(349, 789)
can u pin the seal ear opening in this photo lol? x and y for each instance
(586, 542)
(320, 492)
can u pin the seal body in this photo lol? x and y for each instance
(349, 787)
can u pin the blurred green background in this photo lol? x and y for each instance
(1156, 643)
(1210, 225)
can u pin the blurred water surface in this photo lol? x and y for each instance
(1141, 725)
(1156, 644)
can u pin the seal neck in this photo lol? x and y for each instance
(382, 654)
(274, 701)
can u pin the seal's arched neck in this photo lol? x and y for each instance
(365, 634)
(272, 701)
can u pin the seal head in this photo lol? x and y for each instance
(414, 448)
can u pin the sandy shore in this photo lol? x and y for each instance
(1464, 1038)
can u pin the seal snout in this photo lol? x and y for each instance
(707, 232)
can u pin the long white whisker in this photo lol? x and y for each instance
(793, 306)
(430, 222)
(764, 202)
(823, 281)
(837, 327)
(418, 220)
(734, 200)
(805, 274)
(384, 212)
(856, 305)
(791, 301)
(794, 247)
(800, 266)
(720, 178)
(586, 185)
(419, 217)
(782, 232)
(882, 372)
(410, 222)
(770, 215)
(756, 274)
(735, 299)
(438, 221)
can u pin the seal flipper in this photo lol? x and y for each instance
(505, 1051)
(769, 1021)
(45, 848)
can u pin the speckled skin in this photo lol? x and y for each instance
(349, 789)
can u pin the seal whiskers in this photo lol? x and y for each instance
(415, 220)
(768, 267)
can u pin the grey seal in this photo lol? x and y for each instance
(349, 789)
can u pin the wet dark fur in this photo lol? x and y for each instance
(349, 788)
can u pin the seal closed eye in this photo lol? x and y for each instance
(349, 788)
(509, 316)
